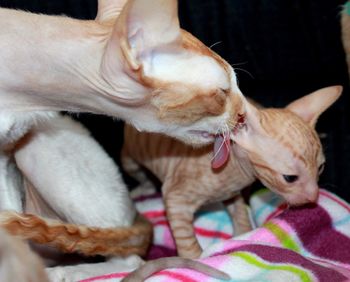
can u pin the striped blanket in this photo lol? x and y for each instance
(299, 244)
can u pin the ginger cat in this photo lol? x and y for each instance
(280, 147)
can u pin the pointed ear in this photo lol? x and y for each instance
(311, 106)
(144, 25)
(245, 133)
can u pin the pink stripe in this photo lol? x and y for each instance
(105, 277)
(152, 214)
(212, 234)
(283, 225)
(201, 231)
(265, 236)
(335, 199)
(177, 276)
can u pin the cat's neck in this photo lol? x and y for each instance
(42, 55)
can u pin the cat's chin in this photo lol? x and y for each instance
(197, 138)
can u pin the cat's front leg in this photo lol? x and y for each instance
(180, 209)
(239, 215)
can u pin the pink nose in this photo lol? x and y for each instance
(312, 195)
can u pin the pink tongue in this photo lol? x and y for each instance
(222, 147)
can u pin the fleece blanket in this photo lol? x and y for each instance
(288, 244)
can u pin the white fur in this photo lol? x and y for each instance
(84, 271)
(74, 175)
(51, 63)
(71, 173)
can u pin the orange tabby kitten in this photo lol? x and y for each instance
(280, 147)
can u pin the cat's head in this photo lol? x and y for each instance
(283, 146)
(174, 84)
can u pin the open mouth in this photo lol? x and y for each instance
(222, 147)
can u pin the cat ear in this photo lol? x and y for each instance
(245, 134)
(311, 106)
(144, 25)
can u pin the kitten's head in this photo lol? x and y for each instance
(283, 146)
(178, 85)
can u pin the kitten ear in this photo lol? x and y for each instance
(246, 133)
(311, 106)
(145, 25)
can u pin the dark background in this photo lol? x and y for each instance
(281, 50)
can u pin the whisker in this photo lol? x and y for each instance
(243, 70)
(216, 43)
(239, 64)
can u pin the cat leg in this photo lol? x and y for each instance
(239, 215)
(133, 169)
(74, 175)
(180, 208)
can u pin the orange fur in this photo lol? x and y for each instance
(70, 238)
(270, 142)
(188, 180)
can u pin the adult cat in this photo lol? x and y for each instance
(131, 62)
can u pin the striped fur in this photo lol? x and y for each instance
(73, 238)
(272, 142)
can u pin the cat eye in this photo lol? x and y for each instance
(226, 91)
(290, 178)
(320, 169)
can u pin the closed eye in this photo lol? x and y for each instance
(226, 91)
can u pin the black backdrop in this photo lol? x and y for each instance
(281, 49)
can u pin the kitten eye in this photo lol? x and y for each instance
(290, 178)
(320, 169)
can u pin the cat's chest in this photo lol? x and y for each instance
(14, 125)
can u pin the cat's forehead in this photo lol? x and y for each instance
(296, 145)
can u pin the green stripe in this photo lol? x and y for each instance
(303, 275)
(259, 192)
(282, 236)
(347, 7)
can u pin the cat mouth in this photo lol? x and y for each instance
(221, 149)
